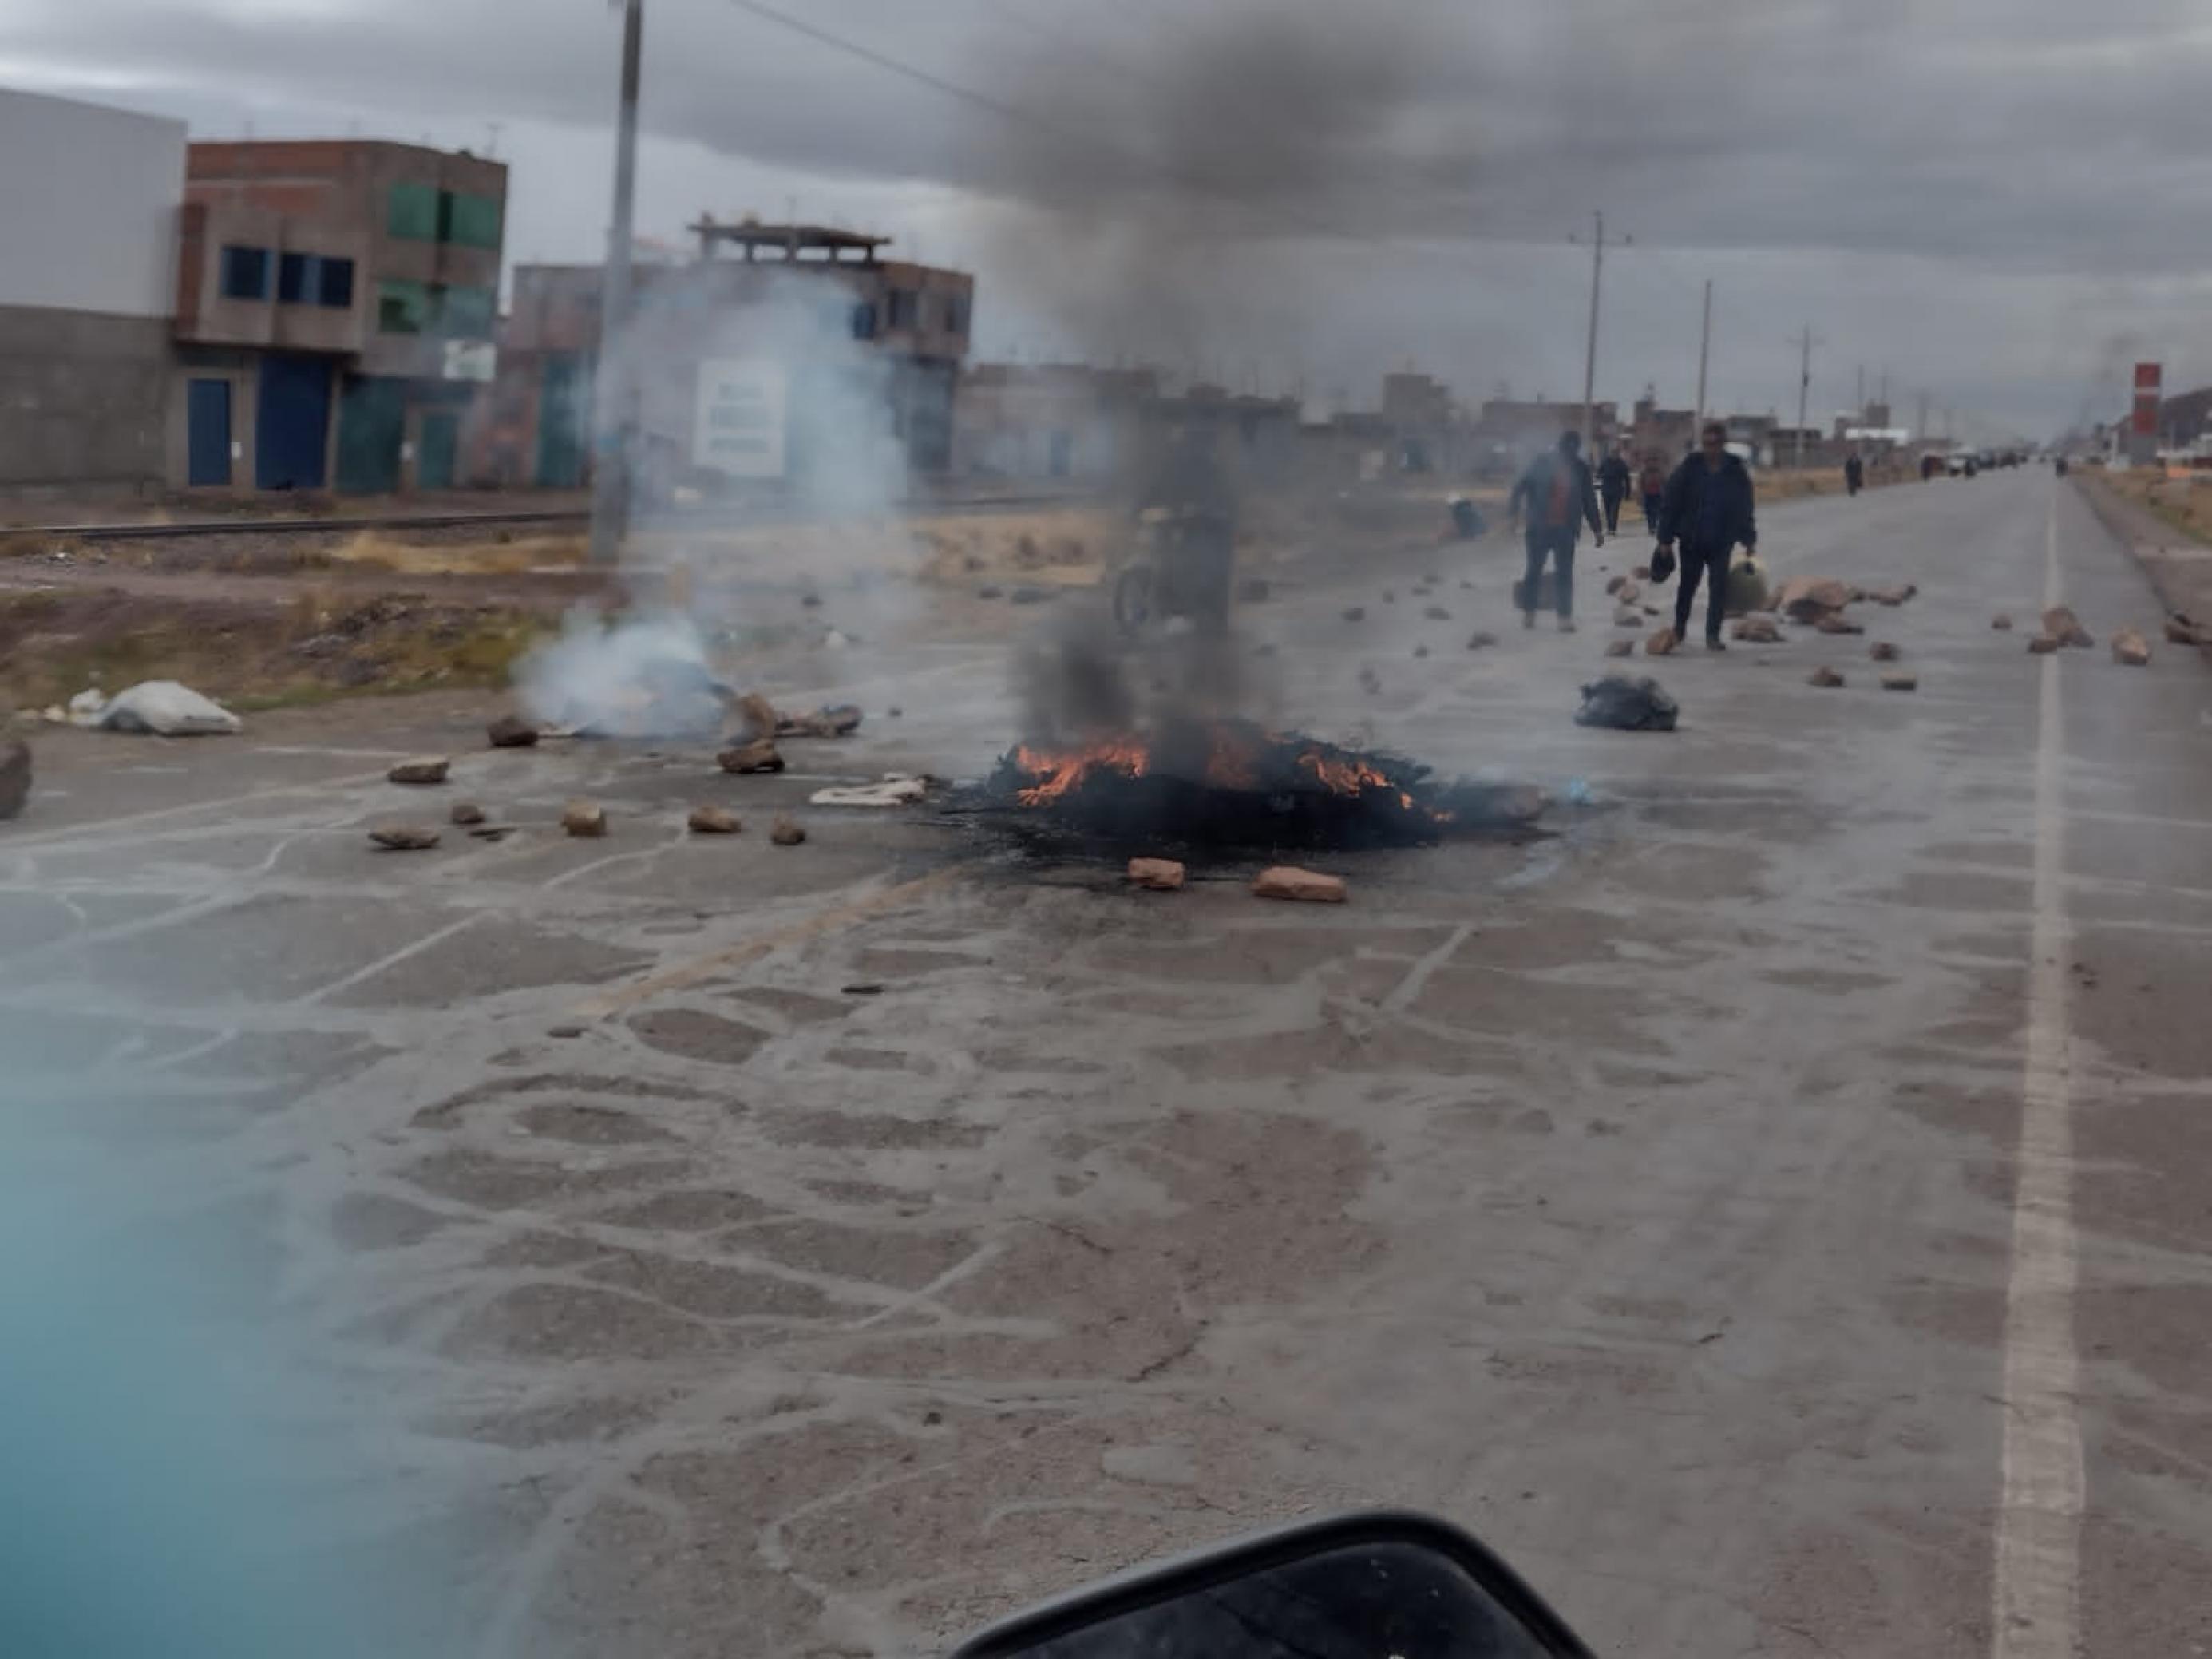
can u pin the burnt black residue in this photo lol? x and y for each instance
(1289, 793)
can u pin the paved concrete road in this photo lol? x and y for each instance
(1772, 1212)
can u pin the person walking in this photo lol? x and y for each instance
(1854, 474)
(1709, 510)
(1653, 486)
(1612, 487)
(1560, 497)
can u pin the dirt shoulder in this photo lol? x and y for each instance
(2165, 522)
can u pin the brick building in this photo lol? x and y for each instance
(1051, 420)
(838, 345)
(336, 304)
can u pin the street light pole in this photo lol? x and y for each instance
(1704, 350)
(1589, 358)
(616, 420)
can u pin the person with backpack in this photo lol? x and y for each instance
(1709, 510)
(1560, 497)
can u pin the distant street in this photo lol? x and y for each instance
(1772, 1210)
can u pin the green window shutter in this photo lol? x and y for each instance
(402, 307)
(413, 213)
(467, 314)
(474, 222)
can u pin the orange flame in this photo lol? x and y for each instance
(1233, 761)
(1058, 770)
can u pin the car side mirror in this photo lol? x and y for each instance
(1381, 1586)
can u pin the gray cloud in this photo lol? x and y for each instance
(2024, 162)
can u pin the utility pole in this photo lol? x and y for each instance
(1704, 353)
(617, 418)
(1589, 358)
(1920, 427)
(1805, 344)
(1860, 405)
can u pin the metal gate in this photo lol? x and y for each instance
(293, 422)
(436, 459)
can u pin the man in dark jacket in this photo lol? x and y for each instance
(1560, 497)
(1612, 487)
(1708, 511)
(1854, 474)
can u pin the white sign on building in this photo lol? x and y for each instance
(471, 360)
(740, 423)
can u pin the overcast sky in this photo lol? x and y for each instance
(2001, 201)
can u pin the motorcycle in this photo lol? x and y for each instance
(1387, 1585)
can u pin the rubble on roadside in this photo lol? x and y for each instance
(1437, 613)
(787, 831)
(1619, 704)
(748, 758)
(2130, 648)
(1301, 886)
(1808, 598)
(1628, 616)
(1883, 651)
(1620, 647)
(835, 721)
(1355, 613)
(2060, 622)
(422, 769)
(2180, 629)
(2044, 645)
(1481, 639)
(465, 814)
(584, 818)
(1900, 681)
(1757, 628)
(404, 837)
(1893, 596)
(1663, 643)
(1156, 875)
(714, 821)
(2001, 622)
(1824, 676)
(1833, 622)
(512, 731)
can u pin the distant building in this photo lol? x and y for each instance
(1666, 434)
(336, 303)
(88, 196)
(1051, 420)
(774, 328)
(1510, 432)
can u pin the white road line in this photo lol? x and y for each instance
(2035, 1589)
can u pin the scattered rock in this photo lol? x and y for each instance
(1900, 682)
(2130, 647)
(1628, 616)
(1642, 572)
(2042, 646)
(714, 821)
(756, 717)
(1807, 598)
(511, 731)
(1355, 613)
(1620, 647)
(1480, 642)
(1621, 704)
(2063, 626)
(1390, 596)
(838, 719)
(1824, 676)
(1437, 613)
(1029, 595)
(499, 832)
(1157, 875)
(1662, 643)
(751, 757)
(2001, 622)
(1420, 651)
(404, 837)
(2181, 630)
(1629, 592)
(1616, 585)
(1834, 622)
(865, 988)
(585, 818)
(1897, 595)
(894, 713)
(1307, 886)
(564, 1033)
(1757, 628)
(810, 601)
(427, 769)
(1882, 651)
(990, 591)
(787, 831)
(1253, 590)
(14, 777)
(466, 813)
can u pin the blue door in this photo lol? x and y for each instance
(293, 427)
(207, 411)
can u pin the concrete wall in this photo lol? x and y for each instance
(84, 399)
(89, 200)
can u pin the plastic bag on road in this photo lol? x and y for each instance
(167, 709)
(1627, 705)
